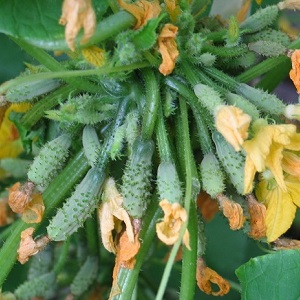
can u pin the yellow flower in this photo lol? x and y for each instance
(281, 204)
(142, 10)
(111, 214)
(10, 143)
(233, 124)
(265, 150)
(77, 14)
(168, 49)
(168, 230)
(295, 72)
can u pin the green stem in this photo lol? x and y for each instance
(6, 232)
(189, 193)
(52, 196)
(31, 117)
(53, 65)
(261, 68)
(203, 119)
(73, 73)
(152, 103)
(63, 256)
(223, 78)
(162, 138)
(127, 279)
(235, 286)
(188, 275)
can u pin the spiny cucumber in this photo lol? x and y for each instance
(91, 144)
(208, 97)
(30, 90)
(78, 207)
(168, 183)
(137, 178)
(85, 276)
(243, 104)
(41, 286)
(232, 161)
(261, 99)
(261, 19)
(267, 48)
(49, 161)
(212, 176)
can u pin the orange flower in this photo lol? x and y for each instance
(168, 48)
(206, 276)
(232, 211)
(142, 10)
(233, 124)
(257, 213)
(125, 258)
(77, 14)
(28, 246)
(168, 230)
(20, 196)
(295, 72)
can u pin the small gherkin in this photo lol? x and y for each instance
(137, 178)
(232, 161)
(49, 161)
(213, 179)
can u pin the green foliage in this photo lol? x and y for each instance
(272, 276)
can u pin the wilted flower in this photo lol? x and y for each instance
(257, 212)
(20, 196)
(77, 14)
(28, 246)
(168, 48)
(206, 276)
(168, 230)
(142, 10)
(33, 213)
(295, 72)
(111, 215)
(232, 211)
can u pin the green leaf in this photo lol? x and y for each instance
(37, 21)
(272, 276)
(146, 37)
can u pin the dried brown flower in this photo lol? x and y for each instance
(206, 276)
(285, 244)
(142, 10)
(19, 196)
(77, 14)
(295, 72)
(168, 49)
(257, 213)
(232, 211)
(6, 215)
(28, 246)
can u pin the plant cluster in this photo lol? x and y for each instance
(136, 137)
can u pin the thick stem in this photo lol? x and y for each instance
(152, 103)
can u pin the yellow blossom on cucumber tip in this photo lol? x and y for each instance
(174, 218)
(265, 150)
(233, 124)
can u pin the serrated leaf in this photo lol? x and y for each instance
(272, 276)
(36, 22)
